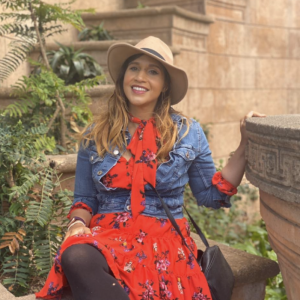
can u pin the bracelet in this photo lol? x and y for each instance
(75, 219)
(76, 222)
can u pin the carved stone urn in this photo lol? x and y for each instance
(273, 155)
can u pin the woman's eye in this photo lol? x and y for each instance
(153, 72)
(133, 68)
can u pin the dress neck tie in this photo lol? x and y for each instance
(143, 148)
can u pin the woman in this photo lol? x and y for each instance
(120, 243)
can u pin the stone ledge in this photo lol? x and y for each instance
(162, 10)
(96, 45)
(247, 268)
(250, 272)
(273, 155)
(191, 5)
(287, 126)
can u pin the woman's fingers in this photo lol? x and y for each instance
(77, 230)
(252, 113)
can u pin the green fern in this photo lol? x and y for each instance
(40, 212)
(25, 36)
(17, 268)
(45, 246)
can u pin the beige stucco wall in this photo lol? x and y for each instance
(252, 63)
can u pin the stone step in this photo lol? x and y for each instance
(196, 6)
(174, 25)
(250, 273)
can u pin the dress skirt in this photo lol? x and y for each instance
(146, 256)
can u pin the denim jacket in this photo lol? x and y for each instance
(189, 161)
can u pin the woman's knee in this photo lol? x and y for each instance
(83, 256)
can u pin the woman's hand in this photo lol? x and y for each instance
(77, 229)
(244, 135)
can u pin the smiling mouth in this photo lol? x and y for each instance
(139, 89)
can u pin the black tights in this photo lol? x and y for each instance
(89, 275)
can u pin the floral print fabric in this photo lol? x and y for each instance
(145, 255)
(223, 185)
(143, 148)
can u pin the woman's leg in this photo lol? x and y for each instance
(89, 275)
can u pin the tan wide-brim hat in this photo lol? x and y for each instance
(153, 47)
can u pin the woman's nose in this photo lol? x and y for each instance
(141, 76)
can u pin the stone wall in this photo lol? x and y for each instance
(251, 63)
(248, 59)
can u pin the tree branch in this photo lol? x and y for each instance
(44, 55)
(54, 116)
(10, 179)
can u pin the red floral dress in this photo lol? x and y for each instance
(145, 254)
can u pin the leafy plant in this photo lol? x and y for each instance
(95, 33)
(141, 5)
(44, 95)
(33, 205)
(29, 234)
(30, 22)
(73, 66)
(41, 98)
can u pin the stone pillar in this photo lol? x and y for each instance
(274, 167)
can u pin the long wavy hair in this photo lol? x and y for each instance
(108, 128)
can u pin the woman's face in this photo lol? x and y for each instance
(144, 80)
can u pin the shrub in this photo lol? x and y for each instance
(29, 231)
(95, 33)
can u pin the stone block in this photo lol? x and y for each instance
(232, 105)
(189, 41)
(293, 101)
(272, 73)
(222, 11)
(104, 5)
(246, 40)
(225, 138)
(227, 72)
(292, 73)
(270, 102)
(294, 17)
(227, 38)
(294, 45)
(270, 12)
(266, 41)
(189, 62)
(200, 105)
(231, 3)
(192, 5)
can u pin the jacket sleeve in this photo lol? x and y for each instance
(85, 190)
(201, 173)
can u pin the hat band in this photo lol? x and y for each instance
(153, 52)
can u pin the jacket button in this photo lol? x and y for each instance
(116, 152)
(92, 158)
(99, 173)
(128, 207)
(187, 155)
